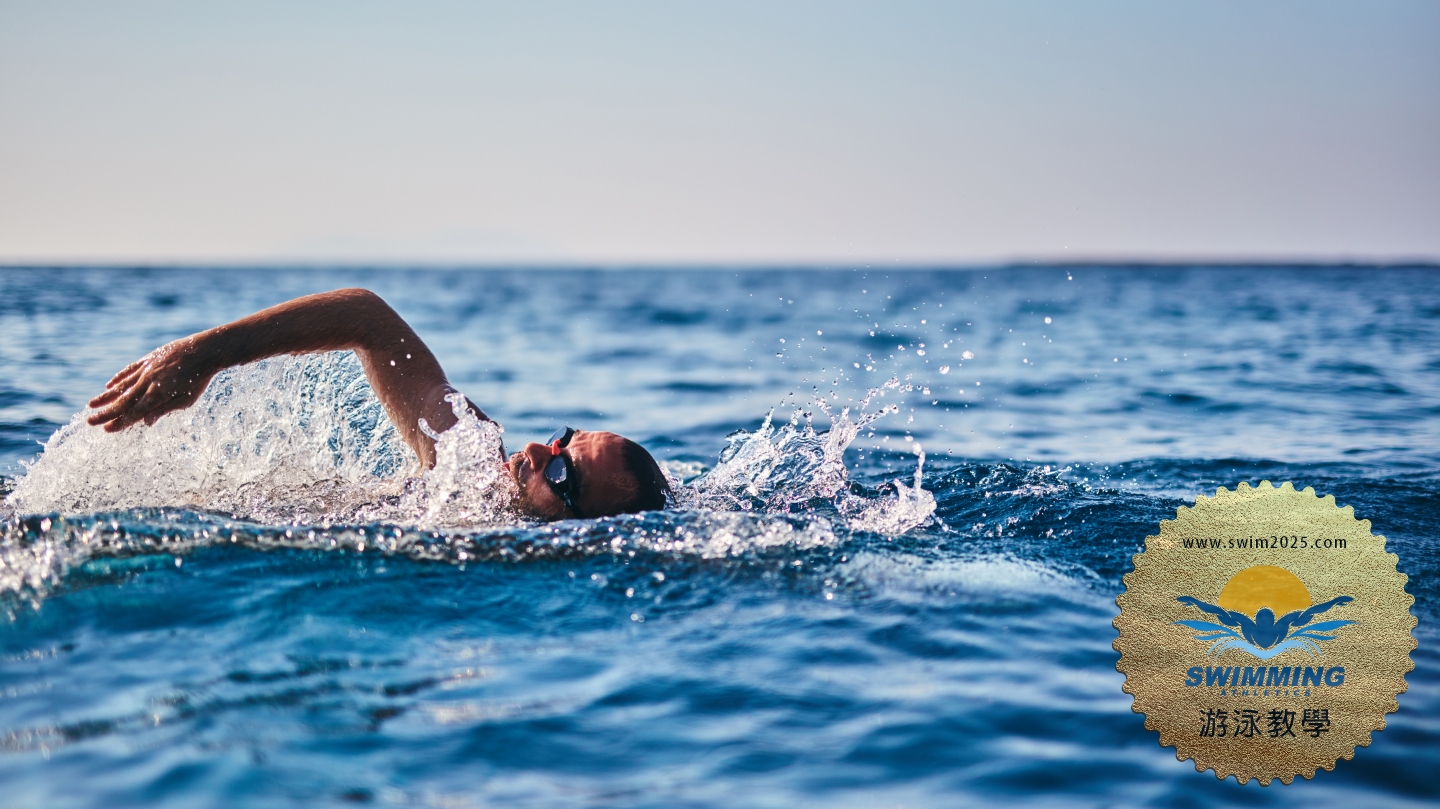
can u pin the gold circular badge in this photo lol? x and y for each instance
(1265, 633)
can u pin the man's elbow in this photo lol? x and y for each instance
(367, 304)
(359, 295)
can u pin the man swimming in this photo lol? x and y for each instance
(578, 473)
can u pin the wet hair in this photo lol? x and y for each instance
(651, 485)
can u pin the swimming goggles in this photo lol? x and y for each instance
(558, 472)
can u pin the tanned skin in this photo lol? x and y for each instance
(406, 378)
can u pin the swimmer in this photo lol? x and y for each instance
(578, 474)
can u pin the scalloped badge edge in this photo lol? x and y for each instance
(1146, 582)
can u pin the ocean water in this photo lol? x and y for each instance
(257, 602)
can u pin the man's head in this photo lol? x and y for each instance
(611, 475)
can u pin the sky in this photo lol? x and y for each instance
(718, 133)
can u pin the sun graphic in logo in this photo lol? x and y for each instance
(1264, 586)
(1248, 607)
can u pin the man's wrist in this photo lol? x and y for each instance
(217, 349)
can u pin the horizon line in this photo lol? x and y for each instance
(1092, 262)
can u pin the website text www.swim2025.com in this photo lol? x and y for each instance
(1278, 542)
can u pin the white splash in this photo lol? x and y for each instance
(297, 440)
(794, 469)
(297, 452)
(469, 485)
(910, 508)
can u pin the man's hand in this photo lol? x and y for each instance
(405, 376)
(170, 378)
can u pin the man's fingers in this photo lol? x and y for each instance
(175, 401)
(124, 379)
(135, 395)
(128, 370)
(113, 422)
(116, 410)
(153, 398)
(109, 411)
(119, 385)
(108, 396)
(123, 421)
(118, 424)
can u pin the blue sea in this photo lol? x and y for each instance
(906, 501)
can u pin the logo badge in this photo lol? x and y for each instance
(1265, 633)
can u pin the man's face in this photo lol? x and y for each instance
(595, 458)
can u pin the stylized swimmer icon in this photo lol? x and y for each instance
(1256, 590)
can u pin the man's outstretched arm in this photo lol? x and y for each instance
(406, 377)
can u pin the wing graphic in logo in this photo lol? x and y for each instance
(1264, 636)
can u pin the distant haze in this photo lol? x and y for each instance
(630, 132)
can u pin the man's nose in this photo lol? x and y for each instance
(539, 454)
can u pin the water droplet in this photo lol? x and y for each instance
(966, 355)
(944, 369)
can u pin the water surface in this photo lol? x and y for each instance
(249, 607)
